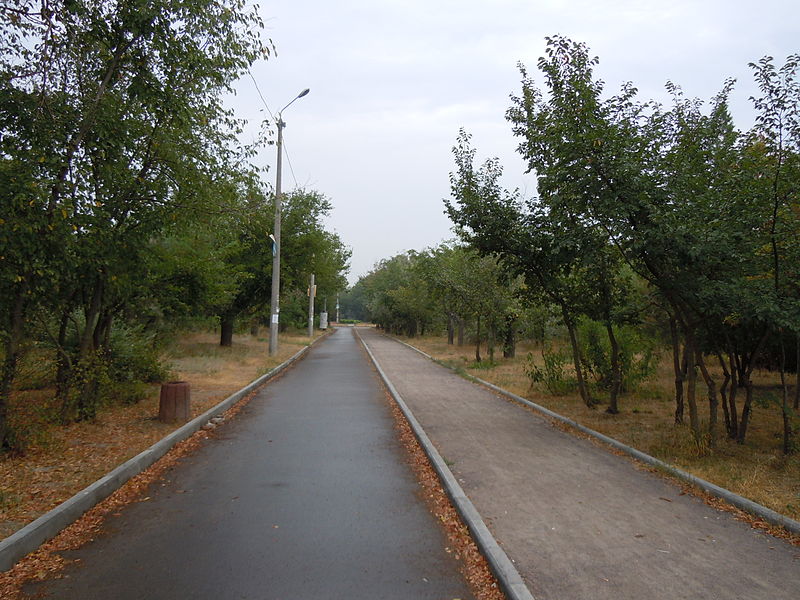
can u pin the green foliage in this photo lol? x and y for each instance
(120, 392)
(29, 423)
(134, 356)
(112, 130)
(483, 365)
(128, 202)
(397, 299)
(638, 356)
(353, 303)
(242, 246)
(552, 374)
(36, 370)
(88, 376)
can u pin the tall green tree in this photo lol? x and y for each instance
(112, 127)
(497, 222)
(677, 194)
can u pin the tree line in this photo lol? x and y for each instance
(128, 204)
(651, 217)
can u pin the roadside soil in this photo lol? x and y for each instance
(65, 459)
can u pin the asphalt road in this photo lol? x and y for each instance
(578, 521)
(305, 494)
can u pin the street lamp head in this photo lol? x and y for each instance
(300, 95)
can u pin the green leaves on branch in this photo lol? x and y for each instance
(112, 135)
(630, 191)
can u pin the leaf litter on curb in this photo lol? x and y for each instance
(474, 567)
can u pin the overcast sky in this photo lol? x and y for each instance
(392, 81)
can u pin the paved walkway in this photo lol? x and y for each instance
(579, 522)
(305, 495)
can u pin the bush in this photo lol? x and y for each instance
(36, 370)
(552, 375)
(637, 354)
(135, 356)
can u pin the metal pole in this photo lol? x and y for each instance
(337, 307)
(276, 251)
(311, 294)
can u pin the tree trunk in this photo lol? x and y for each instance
(411, 328)
(460, 331)
(478, 342)
(9, 372)
(102, 331)
(680, 369)
(713, 401)
(733, 409)
(226, 322)
(89, 395)
(691, 390)
(723, 392)
(576, 358)
(616, 375)
(746, 365)
(63, 363)
(451, 330)
(87, 362)
(746, 410)
(510, 343)
(92, 316)
(490, 341)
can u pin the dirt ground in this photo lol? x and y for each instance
(579, 521)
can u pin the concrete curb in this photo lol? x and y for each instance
(758, 510)
(507, 575)
(50, 524)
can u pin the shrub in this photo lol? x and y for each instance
(637, 354)
(552, 374)
(135, 356)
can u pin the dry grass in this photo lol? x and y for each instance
(64, 460)
(756, 470)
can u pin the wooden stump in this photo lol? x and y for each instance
(174, 404)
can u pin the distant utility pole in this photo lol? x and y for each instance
(337, 307)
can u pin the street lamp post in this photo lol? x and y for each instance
(312, 292)
(276, 238)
